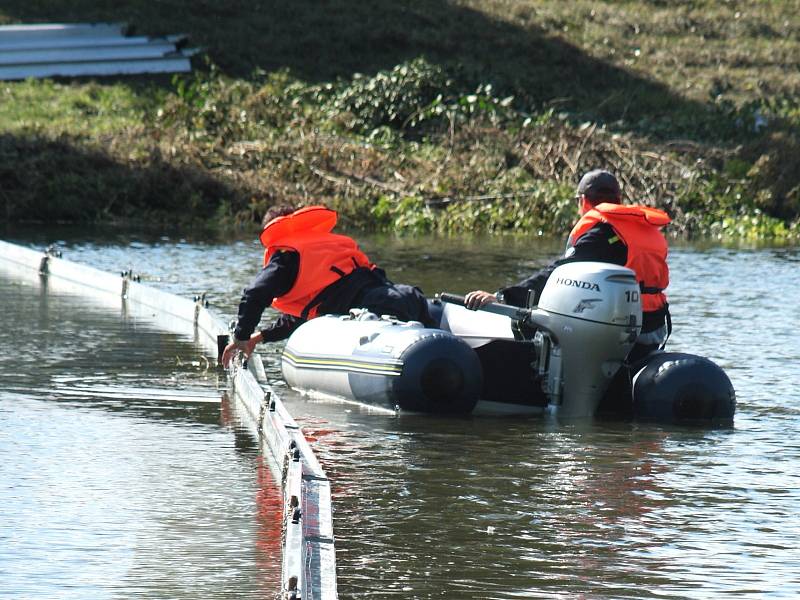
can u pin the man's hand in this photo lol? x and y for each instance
(474, 300)
(246, 347)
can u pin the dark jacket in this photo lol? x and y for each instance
(600, 243)
(367, 288)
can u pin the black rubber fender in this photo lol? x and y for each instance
(675, 387)
(441, 375)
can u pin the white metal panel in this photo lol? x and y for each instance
(24, 257)
(320, 578)
(44, 43)
(83, 69)
(50, 30)
(293, 527)
(85, 277)
(84, 54)
(208, 328)
(86, 49)
(319, 556)
(476, 327)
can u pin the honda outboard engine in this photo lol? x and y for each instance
(585, 324)
(588, 318)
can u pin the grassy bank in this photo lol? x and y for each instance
(426, 115)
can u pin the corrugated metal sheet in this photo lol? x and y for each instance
(12, 43)
(87, 49)
(50, 30)
(85, 54)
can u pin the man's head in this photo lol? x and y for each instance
(595, 187)
(276, 211)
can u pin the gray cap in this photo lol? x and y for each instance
(600, 185)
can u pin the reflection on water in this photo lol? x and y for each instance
(430, 507)
(120, 475)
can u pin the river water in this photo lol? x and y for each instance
(125, 472)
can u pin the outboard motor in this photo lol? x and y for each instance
(583, 328)
(585, 324)
(588, 319)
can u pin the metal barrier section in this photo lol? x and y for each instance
(88, 49)
(309, 558)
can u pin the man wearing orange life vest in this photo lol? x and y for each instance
(610, 232)
(309, 271)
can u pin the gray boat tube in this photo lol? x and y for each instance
(384, 362)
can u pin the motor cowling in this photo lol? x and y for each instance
(593, 312)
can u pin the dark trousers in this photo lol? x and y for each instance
(405, 302)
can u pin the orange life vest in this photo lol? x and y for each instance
(325, 257)
(638, 227)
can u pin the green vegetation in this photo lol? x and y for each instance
(425, 115)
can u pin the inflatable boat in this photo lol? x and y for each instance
(564, 354)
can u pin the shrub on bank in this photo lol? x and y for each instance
(404, 150)
(391, 152)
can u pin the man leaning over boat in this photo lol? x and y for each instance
(310, 271)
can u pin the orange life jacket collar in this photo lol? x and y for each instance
(654, 216)
(637, 227)
(311, 219)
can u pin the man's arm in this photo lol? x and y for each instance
(274, 280)
(281, 328)
(601, 243)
